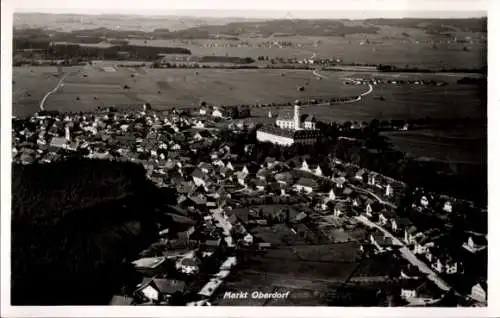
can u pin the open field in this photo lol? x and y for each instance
(396, 51)
(467, 147)
(401, 102)
(104, 85)
(165, 88)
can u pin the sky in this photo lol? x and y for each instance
(263, 9)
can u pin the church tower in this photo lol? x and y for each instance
(296, 116)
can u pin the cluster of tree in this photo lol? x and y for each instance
(393, 68)
(289, 27)
(434, 26)
(236, 111)
(226, 59)
(80, 228)
(86, 53)
(160, 64)
(472, 81)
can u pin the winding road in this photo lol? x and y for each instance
(59, 84)
(369, 91)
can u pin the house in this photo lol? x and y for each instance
(419, 291)
(305, 166)
(444, 264)
(284, 178)
(188, 265)
(377, 239)
(339, 182)
(241, 177)
(263, 245)
(205, 167)
(368, 210)
(360, 174)
(318, 171)
(475, 244)
(447, 207)
(210, 287)
(301, 216)
(199, 178)
(410, 272)
(389, 191)
(339, 209)
(260, 184)
(148, 290)
(479, 292)
(203, 111)
(248, 239)
(424, 201)
(305, 184)
(382, 219)
(420, 246)
(263, 174)
(168, 287)
(229, 166)
(197, 137)
(410, 234)
(401, 223)
(217, 113)
(148, 262)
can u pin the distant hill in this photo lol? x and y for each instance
(179, 27)
(70, 22)
(75, 227)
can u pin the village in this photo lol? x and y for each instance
(228, 208)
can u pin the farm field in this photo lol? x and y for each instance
(401, 102)
(467, 147)
(88, 87)
(396, 51)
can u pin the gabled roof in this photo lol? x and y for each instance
(286, 115)
(306, 182)
(197, 173)
(169, 286)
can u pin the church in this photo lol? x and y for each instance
(290, 128)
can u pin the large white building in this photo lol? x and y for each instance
(290, 128)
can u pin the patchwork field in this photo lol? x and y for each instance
(352, 49)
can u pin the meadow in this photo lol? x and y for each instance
(388, 47)
(87, 87)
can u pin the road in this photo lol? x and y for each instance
(376, 197)
(59, 84)
(408, 255)
(369, 91)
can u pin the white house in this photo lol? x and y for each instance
(217, 113)
(382, 219)
(203, 111)
(424, 202)
(306, 185)
(149, 292)
(408, 293)
(389, 191)
(369, 210)
(318, 171)
(248, 239)
(198, 137)
(305, 166)
(448, 207)
(472, 246)
(229, 166)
